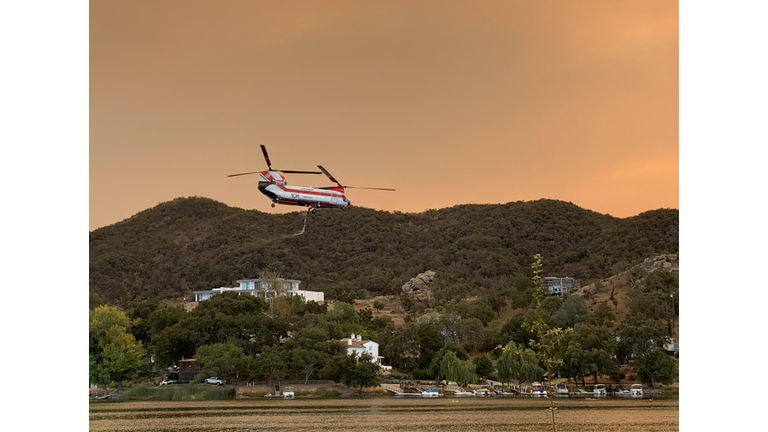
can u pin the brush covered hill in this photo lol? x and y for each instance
(188, 244)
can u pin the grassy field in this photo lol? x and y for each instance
(387, 414)
(178, 393)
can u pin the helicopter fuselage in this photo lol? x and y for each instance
(274, 186)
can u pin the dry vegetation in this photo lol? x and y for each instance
(387, 414)
(612, 290)
(392, 308)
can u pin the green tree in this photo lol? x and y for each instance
(515, 330)
(94, 301)
(497, 302)
(639, 335)
(470, 333)
(656, 296)
(223, 360)
(378, 305)
(460, 371)
(307, 361)
(520, 289)
(359, 371)
(655, 367)
(434, 367)
(572, 312)
(343, 312)
(431, 341)
(518, 363)
(483, 366)
(272, 365)
(114, 354)
(401, 346)
(174, 343)
(603, 314)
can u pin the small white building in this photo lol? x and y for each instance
(265, 290)
(357, 345)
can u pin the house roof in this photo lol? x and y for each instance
(355, 343)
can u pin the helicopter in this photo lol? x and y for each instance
(275, 187)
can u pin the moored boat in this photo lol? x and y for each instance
(561, 390)
(636, 390)
(408, 394)
(599, 390)
(538, 389)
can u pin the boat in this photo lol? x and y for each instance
(561, 390)
(285, 394)
(288, 393)
(482, 392)
(417, 393)
(408, 394)
(464, 393)
(599, 390)
(636, 390)
(538, 390)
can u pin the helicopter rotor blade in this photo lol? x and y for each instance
(241, 174)
(299, 172)
(325, 171)
(356, 187)
(372, 188)
(266, 157)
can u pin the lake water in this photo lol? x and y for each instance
(390, 414)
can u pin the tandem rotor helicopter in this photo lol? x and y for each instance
(273, 185)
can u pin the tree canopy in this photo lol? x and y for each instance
(190, 244)
(114, 353)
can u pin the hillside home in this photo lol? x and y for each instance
(264, 290)
(188, 369)
(560, 286)
(356, 345)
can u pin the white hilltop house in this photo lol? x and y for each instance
(357, 345)
(264, 290)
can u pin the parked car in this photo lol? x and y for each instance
(214, 380)
(168, 382)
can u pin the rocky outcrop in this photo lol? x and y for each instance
(420, 287)
(667, 262)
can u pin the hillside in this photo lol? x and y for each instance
(187, 244)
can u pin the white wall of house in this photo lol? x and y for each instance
(372, 348)
(317, 296)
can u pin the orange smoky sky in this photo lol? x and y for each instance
(449, 102)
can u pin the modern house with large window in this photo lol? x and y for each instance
(560, 286)
(265, 290)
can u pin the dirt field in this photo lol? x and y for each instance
(387, 414)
